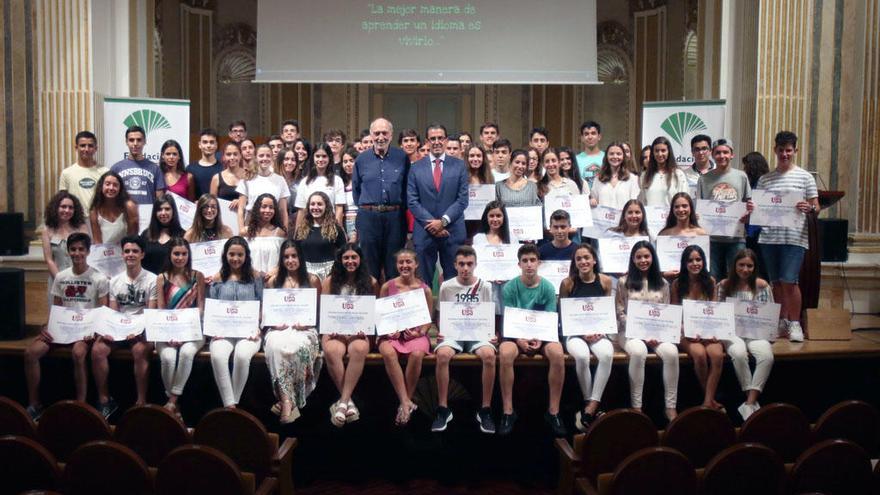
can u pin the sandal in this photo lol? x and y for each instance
(352, 413)
(404, 413)
(276, 409)
(338, 413)
(291, 417)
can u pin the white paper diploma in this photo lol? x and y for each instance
(479, 195)
(467, 321)
(401, 311)
(207, 256)
(756, 320)
(774, 209)
(578, 208)
(528, 324)
(69, 325)
(525, 222)
(708, 320)
(145, 212)
(588, 316)
(107, 259)
(177, 325)
(656, 218)
(497, 262)
(614, 253)
(650, 321)
(117, 325)
(186, 210)
(669, 249)
(721, 217)
(348, 315)
(290, 307)
(604, 218)
(233, 319)
(554, 271)
(227, 216)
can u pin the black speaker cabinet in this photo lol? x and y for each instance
(833, 233)
(12, 295)
(12, 241)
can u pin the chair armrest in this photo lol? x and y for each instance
(267, 487)
(285, 451)
(569, 466)
(582, 486)
(282, 465)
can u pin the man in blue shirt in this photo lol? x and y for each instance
(379, 191)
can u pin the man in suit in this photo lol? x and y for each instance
(437, 195)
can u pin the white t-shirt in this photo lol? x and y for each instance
(272, 184)
(615, 196)
(478, 292)
(658, 192)
(132, 296)
(81, 182)
(335, 191)
(80, 291)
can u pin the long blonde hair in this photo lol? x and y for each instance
(327, 221)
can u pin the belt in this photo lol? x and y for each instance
(380, 208)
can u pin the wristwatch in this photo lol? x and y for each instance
(444, 222)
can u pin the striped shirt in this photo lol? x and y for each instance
(796, 179)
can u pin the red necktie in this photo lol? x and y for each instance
(438, 174)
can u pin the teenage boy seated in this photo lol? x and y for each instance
(130, 292)
(560, 248)
(79, 286)
(465, 287)
(530, 291)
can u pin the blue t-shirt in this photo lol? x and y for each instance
(203, 175)
(549, 252)
(141, 178)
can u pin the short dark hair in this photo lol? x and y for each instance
(207, 131)
(87, 135)
(539, 130)
(590, 123)
(274, 137)
(334, 133)
(436, 125)
(236, 123)
(527, 249)
(136, 128)
(408, 133)
(453, 137)
(489, 124)
(465, 250)
(501, 143)
(133, 239)
(700, 137)
(292, 122)
(560, 215)
(79, 238)
(364, 133)
(786, 137)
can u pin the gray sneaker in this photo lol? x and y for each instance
(108, 408)
(795, 332)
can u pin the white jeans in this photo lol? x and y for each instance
(231, 387)
(638, 352)
(763, 352)
(580, 351)
(177, 364)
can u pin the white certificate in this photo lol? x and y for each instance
(588, 316)
(186, 210)
(708, 320)
(497, 262)
(479, 196)
(528, 324)
(554, 271)
(233, 319)
(721, 217)
(177, 325)
(115, 324)
(604, 218)
(290, 307)
(107, 259)
(614, 253)
(777, 209)
(656, 218)
(650, 321)
(467, 321)
(145, 212)
(69, 325)
(401, 311)
(756, 320)
(227, 216)
(670, 247)
(578, 208)
(526, 223)
(348, 315)
(207, 256)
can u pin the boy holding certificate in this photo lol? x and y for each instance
(530, 291)
(465, 287)
(79, 286)
(561, 248)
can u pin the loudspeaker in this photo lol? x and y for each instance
(12, 295)
(833, 233)
(12, 241)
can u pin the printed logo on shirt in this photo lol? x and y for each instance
(87, 183)
(725, 192)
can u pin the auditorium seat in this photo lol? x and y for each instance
(744, 468)
(851, 420)
(782, 427)
(193, 469)
(246, 441)
(608, 441)
(106, 468)
(649, 471)
(833, 467)
(699, 433)
(151, 431)
(68, 424)
(14, 420)
(26, 465)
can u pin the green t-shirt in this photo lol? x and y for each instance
(541, 298)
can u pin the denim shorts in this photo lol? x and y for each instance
(783, 262)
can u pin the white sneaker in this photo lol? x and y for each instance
(745, 410)
(795, 332)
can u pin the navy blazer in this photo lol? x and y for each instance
(426, 203)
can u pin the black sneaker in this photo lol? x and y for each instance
(507, 421)
(108, 408)
(556, 425)
(444, 416)
(582, 420)
(484, 418)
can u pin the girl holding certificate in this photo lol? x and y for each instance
(494, 232)
(566, 168)
(292, 352)
(207, 223)
(479, 173)
(643, 282)
(555, 184)
(614, 185)
(662, 179)
(533, 168)
(236, 281)
(264, 232)
(223, 185)
(112, 214)
(349, 155)
(262, 180)
(681, 221)
(694, 282)
(320, 177)
(164, 225)
(291, 169)
(413, 342)
(633, 220)
(517, 190)
(178, 287)
(744, 285)
(319, 234)
(64, 215)
(585, 280)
